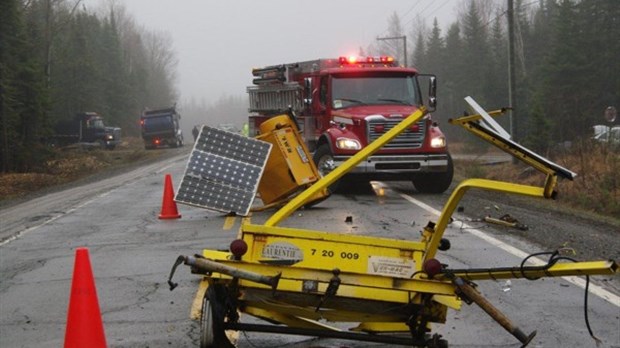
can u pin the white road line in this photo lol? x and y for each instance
(594, 289)
(130, 181)
(54, 218)
(30, 229)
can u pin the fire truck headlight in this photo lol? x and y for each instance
(438, 142)
(348, 144)
(110, 137)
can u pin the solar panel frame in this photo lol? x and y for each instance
(223, 171)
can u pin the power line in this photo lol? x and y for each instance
(439, 8)
(411, 8)
(427, 6)
(403, 16)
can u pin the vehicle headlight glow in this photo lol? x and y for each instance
(348, 144)
(438, 142)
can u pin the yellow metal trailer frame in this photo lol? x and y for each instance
(305, 278)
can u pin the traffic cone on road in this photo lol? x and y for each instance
(84, 325)
(169, 206)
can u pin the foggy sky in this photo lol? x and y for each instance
(218, 42)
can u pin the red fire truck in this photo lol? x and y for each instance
(343, 104)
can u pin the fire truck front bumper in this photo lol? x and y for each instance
(398, 164)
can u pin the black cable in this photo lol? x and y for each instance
(585, 313)
(553, 259)
(547, 266)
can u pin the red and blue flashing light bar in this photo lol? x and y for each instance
(354, 60)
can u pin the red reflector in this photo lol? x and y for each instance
(432, 267)
(238, 247)
(415, 128)
(379, 128)
(156, 141)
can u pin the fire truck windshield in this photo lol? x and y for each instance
(373, 90)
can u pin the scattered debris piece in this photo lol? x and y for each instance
(349, 219)
(506, 220)
(567, 250)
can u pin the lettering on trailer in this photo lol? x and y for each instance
(391, 266)
(281, 253)
(286, 144)
(302, 154)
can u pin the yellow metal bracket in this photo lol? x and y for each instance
(551, 170)
(344, 168)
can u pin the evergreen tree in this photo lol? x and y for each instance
(117, 92)
(419, 53)
(23, 96)
(453, 83)
(599, 24)
(564, 69)
(475, 53)
(435, 50)
(497, 69)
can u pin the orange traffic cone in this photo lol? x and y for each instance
(169, 206)
(84, 325)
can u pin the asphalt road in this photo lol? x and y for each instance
(132, 251)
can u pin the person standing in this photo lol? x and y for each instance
(195, 133)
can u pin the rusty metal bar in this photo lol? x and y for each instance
(203, 265)
(472, 294)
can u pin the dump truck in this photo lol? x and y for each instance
(161, 128)
(86, 129)
(343, 104)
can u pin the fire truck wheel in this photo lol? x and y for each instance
(434, 182)
(325, 163)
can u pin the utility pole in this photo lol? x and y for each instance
(404, 38)
(512, 100)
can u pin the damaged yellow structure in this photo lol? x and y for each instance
(289, 168)
(385, 286)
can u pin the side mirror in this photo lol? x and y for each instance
(432, 90)
(308, 91)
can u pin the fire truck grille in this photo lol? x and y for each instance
(409, 139)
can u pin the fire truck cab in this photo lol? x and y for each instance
(343, 104)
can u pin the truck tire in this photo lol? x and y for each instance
(434, 182)
(324, 160)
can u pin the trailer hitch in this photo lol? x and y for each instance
(201, 265)
(470, 294)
